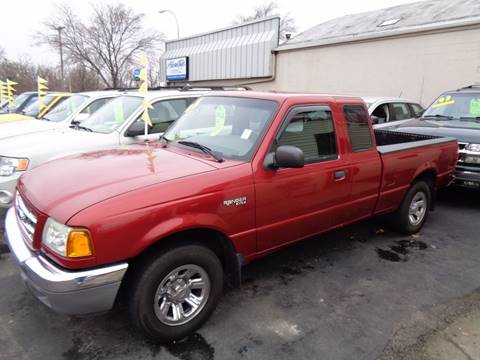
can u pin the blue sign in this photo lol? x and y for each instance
(136, 74)
(176, 69)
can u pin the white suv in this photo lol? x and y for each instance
(117, 122)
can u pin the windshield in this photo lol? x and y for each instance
(33, 109)
(66, 108)
(113, 114)
(230, 126)
(19, 100)
(456, 106)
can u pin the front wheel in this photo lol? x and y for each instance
(414, 209)
(174, 293)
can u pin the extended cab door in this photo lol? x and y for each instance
(364, 163)
(295, 203)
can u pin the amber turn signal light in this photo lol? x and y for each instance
(79, 244)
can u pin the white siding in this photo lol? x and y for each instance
(417, 67)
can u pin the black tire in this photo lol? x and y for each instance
(148, 276)
(401, 220)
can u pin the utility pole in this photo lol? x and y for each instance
(59, 29)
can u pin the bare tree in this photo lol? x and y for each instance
(3, 55)
(287, 23)
(108, 43)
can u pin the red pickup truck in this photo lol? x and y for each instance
(161, 226)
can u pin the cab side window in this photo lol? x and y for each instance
(95, 105)
(358, 128)
(166, 112)
(417, 110)
(313, 132)
(401, 111)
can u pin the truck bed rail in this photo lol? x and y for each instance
(391, 141)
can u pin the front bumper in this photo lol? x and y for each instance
(468, 179)
(65, 292)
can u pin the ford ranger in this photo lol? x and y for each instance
(159, 227)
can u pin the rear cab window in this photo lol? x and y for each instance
(359, 131)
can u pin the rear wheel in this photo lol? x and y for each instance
(175, 292)
(414, 210)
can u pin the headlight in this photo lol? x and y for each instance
(67, 241)
(473, 147)
(9, 165)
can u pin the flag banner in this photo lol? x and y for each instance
(143, 89)
(3, 92)
(42, 92)
(11, 93)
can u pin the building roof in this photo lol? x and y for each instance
(396, 20)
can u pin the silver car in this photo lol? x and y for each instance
(115, 123)
(384, 110)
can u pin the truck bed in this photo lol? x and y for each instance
(391, 141)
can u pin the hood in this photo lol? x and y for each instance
(448, 128)
(43, 146)
(16, 128)
(63, 187)
(4, 118)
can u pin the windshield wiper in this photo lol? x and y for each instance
(80, 127)
(468, 118)
(203, 148)
(438, 116)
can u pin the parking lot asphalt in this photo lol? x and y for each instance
(362, 292)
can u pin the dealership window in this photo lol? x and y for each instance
(358, 128)
(313, 132)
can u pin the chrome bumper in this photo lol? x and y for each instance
(66, 292)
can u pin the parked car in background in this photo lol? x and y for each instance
(33, 110)
(384, 110)
(115, 123)
(456, 114)
(76, 108)
(21, 102)
(238, 176)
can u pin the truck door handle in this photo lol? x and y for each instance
(339, 175)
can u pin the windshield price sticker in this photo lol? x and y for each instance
(246, 134)
(444, 101)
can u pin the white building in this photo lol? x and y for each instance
(416, 50)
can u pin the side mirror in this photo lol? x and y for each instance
(377, 120)
(286, 156)
(136, 129)
(80, 117)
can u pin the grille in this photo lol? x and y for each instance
(26, 218)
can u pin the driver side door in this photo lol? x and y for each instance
(295, 203)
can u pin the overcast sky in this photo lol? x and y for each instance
(21, 19)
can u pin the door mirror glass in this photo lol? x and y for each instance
(136, 129)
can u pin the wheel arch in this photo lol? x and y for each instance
(213, 239)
